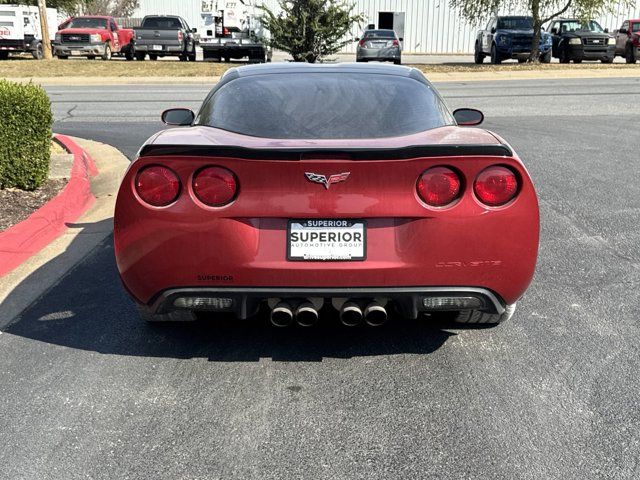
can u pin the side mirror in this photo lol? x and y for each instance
(493, 29)
(178, 116)
(357, 39)
(542, 29)
(622, 30)
(606, 30)
(467, 117)
(554, 31)
(194, 30)
(401, 39)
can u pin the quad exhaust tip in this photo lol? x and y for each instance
(375, 314)
(281, 315)
(351, 314)
(306, 315)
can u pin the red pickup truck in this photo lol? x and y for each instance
(628, 40)
(91, 37)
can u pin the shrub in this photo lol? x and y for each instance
(25, 135)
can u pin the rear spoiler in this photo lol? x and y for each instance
(497, 150)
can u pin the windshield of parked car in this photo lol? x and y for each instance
(515, 23)
(576, 26)
(162, 23)
(324, 106)
(88, 22)
(379, 34)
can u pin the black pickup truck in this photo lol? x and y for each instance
(510, 37)
(164, 36)
(578, 40)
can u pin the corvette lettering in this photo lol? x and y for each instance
(327, 182)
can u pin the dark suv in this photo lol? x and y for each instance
(578, 40)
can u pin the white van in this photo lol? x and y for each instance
(20, 29)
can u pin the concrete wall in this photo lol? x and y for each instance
(431, 26)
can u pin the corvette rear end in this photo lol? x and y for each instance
(438, 219)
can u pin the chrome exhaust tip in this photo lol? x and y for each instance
(375, 314)
(306, 315)
(281, 315)
(351, 314)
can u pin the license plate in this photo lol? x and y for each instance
(326, 240)
(75, 52)
(157, 47)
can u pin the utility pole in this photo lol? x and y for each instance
(44, 28)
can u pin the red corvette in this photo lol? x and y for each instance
(301, 187)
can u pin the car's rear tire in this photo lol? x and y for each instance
(183, 58)
(153, 58)
(175, 316)
(495, 57)
(140, 56)
(4, 55)
(607, 60)
(630, 54)
(476, 316)
(522, 60)
(38, 53)
(478, 56)
(63, 57)
(577, 60)
(397, 62)
(546, 57)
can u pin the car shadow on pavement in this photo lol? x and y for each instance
(89, 310)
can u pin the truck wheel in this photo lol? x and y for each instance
(522, 60)
(577, 60)
(140, 56)
(91, 57)
(107, 52)
(63, 57)
(478, 56)
(129, 55)
(183, 58)
(607, 60)
(192, 56)
(630, 55)
(546, 57)
(175, 316)
(564, 56)
(495, 58)
(4, 55)
(38, 53)
(153, 57)
(476, 316)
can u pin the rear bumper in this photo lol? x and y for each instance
(392, 53)
(165, 50)
(81, 50)
(245, 302)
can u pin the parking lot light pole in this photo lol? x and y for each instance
(44, 27)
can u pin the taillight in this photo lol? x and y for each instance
(157, 185)
(395, 43)
(215, 186)
(496, 186)
(361, 43)
(439, 186)
(180, 36)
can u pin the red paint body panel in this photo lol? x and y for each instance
(408, 244)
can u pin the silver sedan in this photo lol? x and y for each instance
(380, 45)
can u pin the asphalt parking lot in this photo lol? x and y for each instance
(88, 391)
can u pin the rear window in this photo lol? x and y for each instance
(379, 34)
(324, 106)
(162, 23)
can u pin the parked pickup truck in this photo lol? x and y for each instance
(162, 36)
(510, 37)
(578, 40)
(628, 40)
(91, 37)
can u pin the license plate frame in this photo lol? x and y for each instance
(156, 48)
(351, 225)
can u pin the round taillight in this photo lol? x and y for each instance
(496, 185)
(215, 186)
(157, 185)
(438, 186)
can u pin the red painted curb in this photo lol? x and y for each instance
(28, 237)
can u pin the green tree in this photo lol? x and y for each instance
(309, 30)
(542, 11)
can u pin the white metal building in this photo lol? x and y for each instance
(427, 26)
